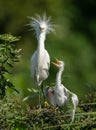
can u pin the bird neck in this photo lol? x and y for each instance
(41, 39)
(58, 77)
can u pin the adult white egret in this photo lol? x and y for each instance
(40, 60)
(59, 95)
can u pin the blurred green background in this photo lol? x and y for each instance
(74, 41)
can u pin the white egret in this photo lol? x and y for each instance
(40, 60)
(59, 95)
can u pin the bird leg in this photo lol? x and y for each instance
(43, 91)
(39, 96)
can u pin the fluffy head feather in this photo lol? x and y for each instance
(41, 24)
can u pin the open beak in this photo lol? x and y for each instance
(57, 62)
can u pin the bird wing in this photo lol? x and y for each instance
(46, 60)
(40, 65)
(65, 90)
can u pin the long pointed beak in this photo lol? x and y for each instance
(57, 62)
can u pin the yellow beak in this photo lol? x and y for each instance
(57, 62)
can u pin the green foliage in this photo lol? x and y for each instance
(17, 115)
(8, 56)
(33, 93)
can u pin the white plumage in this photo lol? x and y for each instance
(40, 60)
(40, 64)
(59, 95)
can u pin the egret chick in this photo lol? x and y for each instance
(59, 95)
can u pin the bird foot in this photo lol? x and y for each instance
(46, 104)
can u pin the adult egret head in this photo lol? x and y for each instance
(41, 25)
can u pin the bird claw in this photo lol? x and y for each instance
(46, 104)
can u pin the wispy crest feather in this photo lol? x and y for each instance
(36, 21)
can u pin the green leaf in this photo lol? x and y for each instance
(35, 90)
(9, 64)
(8, 38)
(15, 90)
